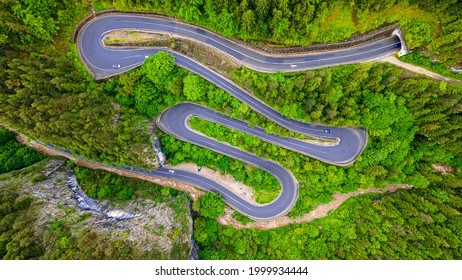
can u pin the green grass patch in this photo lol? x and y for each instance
(338, 25)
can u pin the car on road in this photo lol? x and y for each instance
(171, 171)
(116, 66)
(327, 130)
(397, 45)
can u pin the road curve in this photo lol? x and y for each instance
(100, 59)
(173, 121)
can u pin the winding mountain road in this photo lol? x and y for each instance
(352, 141)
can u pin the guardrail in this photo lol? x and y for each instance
(387, 32)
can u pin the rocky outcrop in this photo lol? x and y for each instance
(153, 229)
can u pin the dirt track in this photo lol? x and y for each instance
(320, 211)
(419, 70)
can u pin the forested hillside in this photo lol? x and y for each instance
(46, 92)
(417, 224)
(413, 122)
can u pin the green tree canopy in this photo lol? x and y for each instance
(211, 205)
(194, 87)
(158, 67)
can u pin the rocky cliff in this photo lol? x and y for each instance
(60, 222)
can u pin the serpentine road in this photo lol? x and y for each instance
(352, 141)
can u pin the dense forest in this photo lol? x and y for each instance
(417, 224)
(13, 155)
(413, 122)
(434, 26)
(46, 92)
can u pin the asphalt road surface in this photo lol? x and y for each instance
(100, 61)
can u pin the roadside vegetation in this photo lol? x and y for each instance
(140, 38)
(266, 187)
